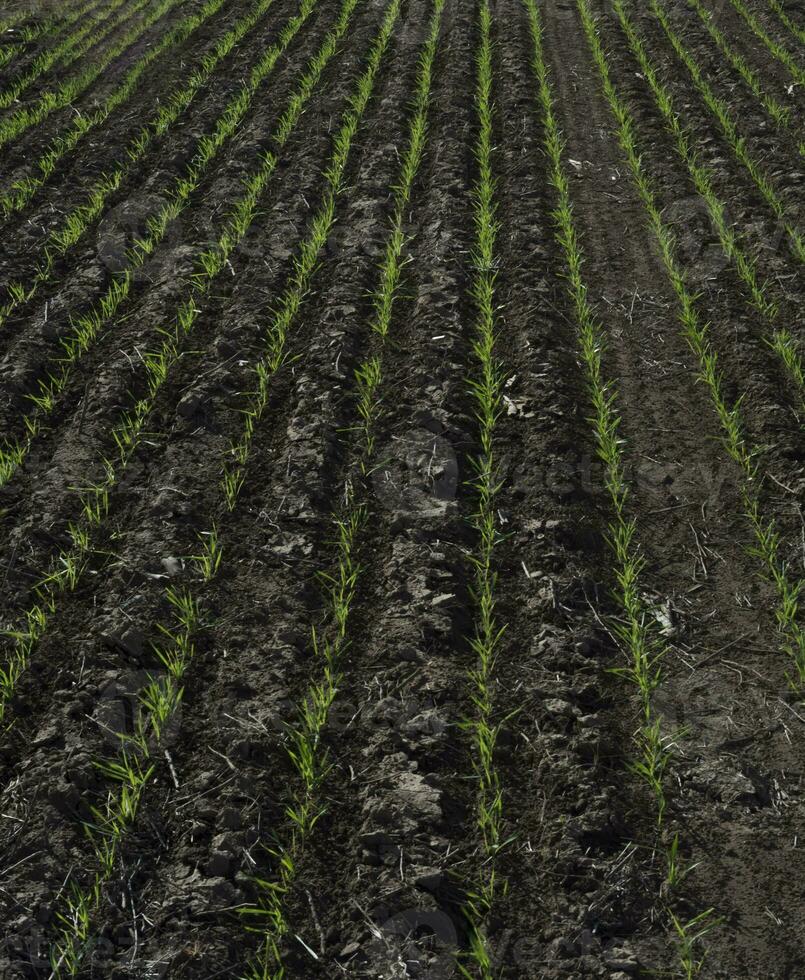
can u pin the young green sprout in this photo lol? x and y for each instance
(209, 560)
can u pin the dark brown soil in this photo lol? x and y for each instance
(382, 884)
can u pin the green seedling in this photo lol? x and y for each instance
(788, 350)
(209, 560)
(688, 935)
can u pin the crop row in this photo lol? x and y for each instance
(268, 915)
(486, 386)
(780, 340)
(768, 542)
(13, 21)
(767, 538)
(160, 698)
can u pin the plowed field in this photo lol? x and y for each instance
(402, 468)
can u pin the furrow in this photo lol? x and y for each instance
(299, 498)
(135, 516)
(250, 580)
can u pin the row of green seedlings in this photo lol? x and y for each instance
(134, 766)
(86, 327)
(268, 916)
(161, 697)
(22, 190)
(486, 385)
(767, 538)
(28, 33)
(776, 50)
(780, 340)
(67, 91)
(779, 113)
(10, 21)
(726, 121)
(77, 221)
(67, 51)
(643, 649)
(65, 569)
(787, 21)
(130, 771)
(8, 53)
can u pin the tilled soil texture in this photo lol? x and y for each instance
(401, 486)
